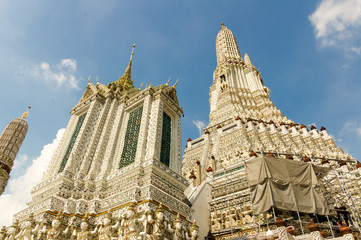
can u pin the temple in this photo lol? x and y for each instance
(118, 165)
(118, 173)
(246, 138)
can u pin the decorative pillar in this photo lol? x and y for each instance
(214, 165)
(199, 177)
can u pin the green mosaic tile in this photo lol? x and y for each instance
(72, 142)
(131, 137)
(166, 139)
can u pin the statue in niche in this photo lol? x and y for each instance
(216, 225)
(239, 217)
(247, 213)
(105, 229)
(84, 234)
(247, 219)
(232, 220)
(224, 220)
(223, 83)
(27, 232)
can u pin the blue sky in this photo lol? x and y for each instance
(308, 52)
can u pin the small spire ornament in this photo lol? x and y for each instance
(25, 114)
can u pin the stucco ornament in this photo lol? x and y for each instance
(159, 224)
(11, 231)
(128, 224)
(84, 233)
(27, 231)
(177, 232)
(105, 229)
(193, 231)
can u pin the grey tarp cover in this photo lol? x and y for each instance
(284, 184)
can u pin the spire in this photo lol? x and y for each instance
(226, 47)
(126, 79)
(175, 84)
(124, 83)
(10, 143)
(247, 60)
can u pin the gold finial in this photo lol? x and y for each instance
(176, 83)
(89, 79)
(97, 80)
(131, 56)
(168, 81)
(141, 86)
(125, 82)
(223, 27)
(25, 114)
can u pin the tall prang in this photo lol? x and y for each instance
(244, 124)
(121, 150)
(237, 88)
(10, 143)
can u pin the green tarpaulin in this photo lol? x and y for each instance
(285, 184)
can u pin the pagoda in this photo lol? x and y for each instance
(118, 160)
(245, 130)
(10, 143)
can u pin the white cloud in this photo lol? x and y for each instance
(356, 50)
(19, 161)
(352, 126)
(62, 74)
(69, 63)
(200, 125)
(339, 140)
(18, 189)
(337, 23)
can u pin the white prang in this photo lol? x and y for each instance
(243, 119)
